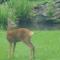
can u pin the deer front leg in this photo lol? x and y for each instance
(11, 50)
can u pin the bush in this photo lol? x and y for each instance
(3, 15)
(22, 9)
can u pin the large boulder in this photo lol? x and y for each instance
(47, 14)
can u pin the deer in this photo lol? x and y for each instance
(15, 35)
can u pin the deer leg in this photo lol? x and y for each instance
(32, 49)
(11, 50)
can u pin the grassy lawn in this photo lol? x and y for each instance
(47, 45)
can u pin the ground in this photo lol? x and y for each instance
(47, 46)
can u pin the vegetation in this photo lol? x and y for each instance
(47, 43)
(22, 9)
(47, 46)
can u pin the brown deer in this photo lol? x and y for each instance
(15, 35)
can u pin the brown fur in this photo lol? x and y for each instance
(21, 34)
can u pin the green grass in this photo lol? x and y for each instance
(47, 46)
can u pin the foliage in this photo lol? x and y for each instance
(3, 15)
(21, 9)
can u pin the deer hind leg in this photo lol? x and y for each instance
(32, 49)
(11, 50)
